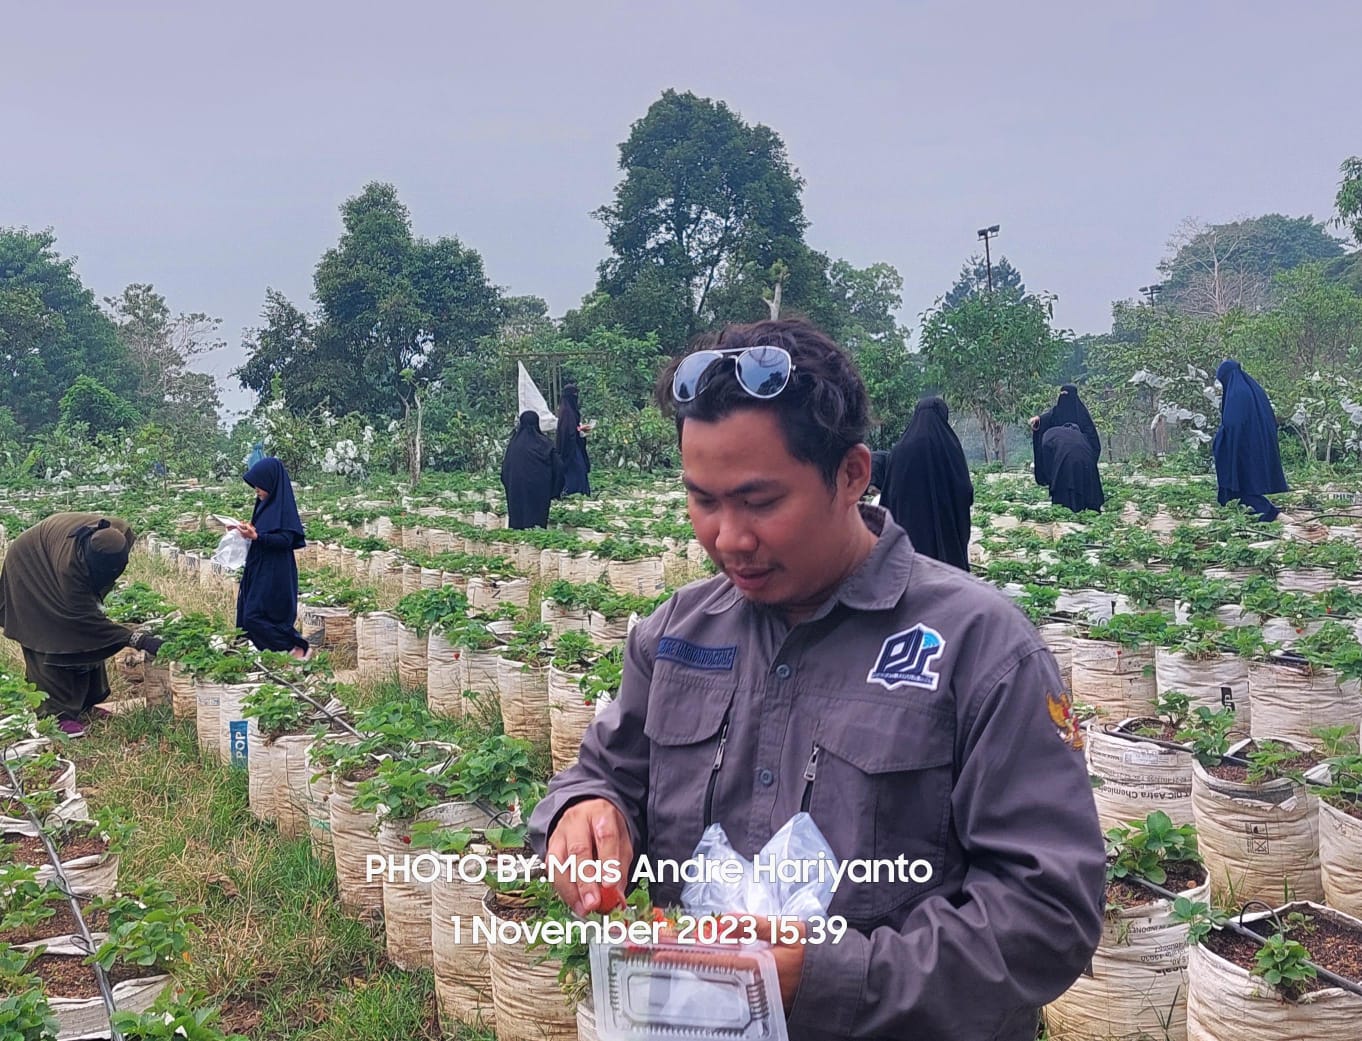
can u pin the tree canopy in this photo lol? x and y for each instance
(51, 331)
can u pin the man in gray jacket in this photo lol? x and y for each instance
(908, 707)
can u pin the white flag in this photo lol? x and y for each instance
(529, 399)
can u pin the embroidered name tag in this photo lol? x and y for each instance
(683, 652)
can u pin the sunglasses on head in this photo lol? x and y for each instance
(762, 371)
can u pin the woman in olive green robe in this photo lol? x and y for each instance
(52, 584)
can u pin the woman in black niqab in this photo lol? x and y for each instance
(1068, 409)
(531, 475)
(927, 487)
(267, 603)
(572, 445)
(1248, 462)
(1069, 465)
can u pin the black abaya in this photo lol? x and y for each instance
(927, 487)
(1070, 466)
(531, 475)
(1068, 409)
(267, 603)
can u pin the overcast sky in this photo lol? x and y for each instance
(206, 148)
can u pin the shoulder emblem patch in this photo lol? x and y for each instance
(1061, 708)
(905, 659)
(692, 655)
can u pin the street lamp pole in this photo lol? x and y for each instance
(986, 234)
(1152, 291)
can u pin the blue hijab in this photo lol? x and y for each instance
(1247, 459)
(279, 512)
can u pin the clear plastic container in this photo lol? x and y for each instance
(685, 992)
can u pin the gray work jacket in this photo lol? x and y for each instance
(916, 713)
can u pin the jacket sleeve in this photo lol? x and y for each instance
(613, 761)
(275, 540)
(1029, 914)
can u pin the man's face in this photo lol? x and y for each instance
(766, 519)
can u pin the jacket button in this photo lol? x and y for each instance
(783, 671)
(766, 777)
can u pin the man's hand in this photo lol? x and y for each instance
(788, 952)
(1035, 423)
(591, 830)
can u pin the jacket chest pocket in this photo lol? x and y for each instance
(687, 727)
(878, 785)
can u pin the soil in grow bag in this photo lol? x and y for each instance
(1158, 729)
(67, 975)
(31, 851)
(1332, 946)
(1182, 875)
(1239, 774)
(63, 923)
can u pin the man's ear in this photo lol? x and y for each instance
(853, 476)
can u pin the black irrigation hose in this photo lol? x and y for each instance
(105, 992)
(1342, 982)
(1232, 760)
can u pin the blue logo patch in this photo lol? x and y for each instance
(683, 652)
(905, 659)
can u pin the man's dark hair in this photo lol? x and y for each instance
(823, 411)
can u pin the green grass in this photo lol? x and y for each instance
(276, 950)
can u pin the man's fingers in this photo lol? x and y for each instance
(564, 882)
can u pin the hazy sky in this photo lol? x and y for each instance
(206, 148)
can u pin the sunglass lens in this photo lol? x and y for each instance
(764, 371)
(686, 381)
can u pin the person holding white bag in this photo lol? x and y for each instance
(267, 603)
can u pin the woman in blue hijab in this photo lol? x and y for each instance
(267, 604)
(1248, 463)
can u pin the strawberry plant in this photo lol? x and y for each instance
(1131, 630)
(135, 604)
(575, 651)
(24, 1012)
(154, 936)
(498, 770)
(1208, 733)
(1199, 917)
(276, 711)
(175, 1016)
(602, 680)
(1142, 848)
(1283, 963)
(407, 785)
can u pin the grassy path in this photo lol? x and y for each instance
(275, 952)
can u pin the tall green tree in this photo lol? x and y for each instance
(1349, 198)
(974, 279)
(393, 311)
(161, 347)
(865, 301)
(1218, 268)
(51, 331)
(89, 403)
(994, 355)
(708, 206)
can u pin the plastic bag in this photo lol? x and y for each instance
(231, 551)
(792, 876)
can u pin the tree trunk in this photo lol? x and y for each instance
(414, 453)
(774, 302)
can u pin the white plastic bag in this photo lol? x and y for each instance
(762, 891)
(231, 551)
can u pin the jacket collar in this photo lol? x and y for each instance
(877, 585)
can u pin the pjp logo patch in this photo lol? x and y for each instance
(906, 659)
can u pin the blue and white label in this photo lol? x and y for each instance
(906, 659)
(692, 655)
(237, 732)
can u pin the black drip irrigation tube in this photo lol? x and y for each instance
(1342, 982)
(105, 991)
